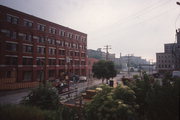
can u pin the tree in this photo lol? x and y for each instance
(156, 102)
(108, 105)
(45, 97)
(104, 70)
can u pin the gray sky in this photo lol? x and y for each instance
(139, 27)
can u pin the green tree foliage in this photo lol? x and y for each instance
(163, 102)
(104, 70)
(24, 112)
(108, 105)
(125, 94)
(45, 97)
(20, 112)
(156, 102)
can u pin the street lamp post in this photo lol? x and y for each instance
(178, 3)
(44, 80)
(67, 71)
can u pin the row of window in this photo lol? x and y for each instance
(28, 23)
(29, 61)
(165, 56)
(40, 39)
(166, 61)
(27, 75)
(42, 50)
(165, 66)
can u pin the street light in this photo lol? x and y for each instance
(178, 3)
(43, 63)
(67, 72)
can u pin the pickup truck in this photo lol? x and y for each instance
(176, 74)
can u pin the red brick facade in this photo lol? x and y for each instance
(32, 48)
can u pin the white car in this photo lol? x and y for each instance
(176, 74)
(82, 78)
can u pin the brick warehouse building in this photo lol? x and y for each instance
(32, 49)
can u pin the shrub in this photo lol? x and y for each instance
(21, 112)
(45, 97)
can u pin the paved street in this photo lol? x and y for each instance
(77, 89)
(14, 97)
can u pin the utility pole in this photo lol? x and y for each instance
(107, 47)
(120, 63)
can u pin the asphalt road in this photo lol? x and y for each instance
(14, 97)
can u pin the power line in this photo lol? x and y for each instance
(143, 12)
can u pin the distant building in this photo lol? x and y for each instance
(98, 54)
(169, 60)
(132, 61)
(33, 49)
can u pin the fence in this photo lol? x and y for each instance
(20, 85)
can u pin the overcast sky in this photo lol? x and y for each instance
(139, 27)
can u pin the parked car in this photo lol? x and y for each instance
(82, 79)
(74, 78)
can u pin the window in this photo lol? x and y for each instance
(67, 34)
(52, 61)
(60, 43)
(71, 62)
(11, 60)
(61, 62)
(83, 54)
(62, 33)
(52, 30)
(41, 27)
(8, 74)
(27, 75)
(70, 45)
(11, 46)
(51, 41)
(70, 35)
(41, 50)
(76, 62)
(52, 51)
(6, 32)
(71, 53)
(12, 19)
(52, 73)
(27, 48)
(28, 23)
(76, 53)
(27, 61)
(41, 39)
(77, 37)
(83, 63)
(61, 52)
(13, 35)
(66, 44)
(40, 61)
(27, 37)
